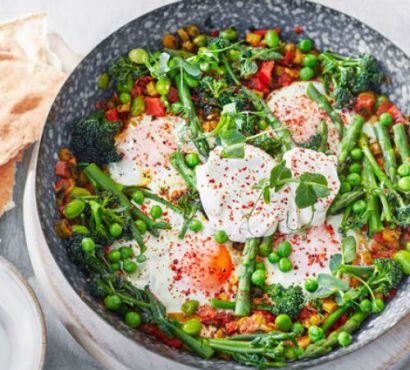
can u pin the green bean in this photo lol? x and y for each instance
(402, 142)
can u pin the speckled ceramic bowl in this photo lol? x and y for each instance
(329, 29)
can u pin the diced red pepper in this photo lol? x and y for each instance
(289, 56)
(111, 115)
(285, 79)
(63, 185)
(136, 91)
(155, 331)
(231, 327)
(339, 322)
(365, 101)
(391, 294)
(383, 107)
(255, 83)
(378, 237)
(214, 33)
(155, 106)
(298, 29)
(265, 72)
(395, 112)
(173, 96)
(62, 169)
(268, 316)
(261, 32)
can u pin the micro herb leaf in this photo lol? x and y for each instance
(233, 143)
(191, 69)
(335, 262)
(160, 67)
(331, 282)
(349, 249)
(278, 176)
(266, 54)
(247, 68)
(266, 195)
(311, 187)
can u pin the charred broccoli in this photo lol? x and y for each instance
(345, 77)
(288, 300)
(93, 139)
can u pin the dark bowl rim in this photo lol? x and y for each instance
(342, 352)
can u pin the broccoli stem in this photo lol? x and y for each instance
(178, 162)
(195, 123)
(345, 200)
(243, 300)
(383, 138)
(333, 317)
(97, 176)
(401, 142)
(323, 131)
(350, 139)
(324, 104)
(322, 347)
(151, 225)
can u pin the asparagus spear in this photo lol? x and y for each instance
(350, 138)
(230, 305)
(345, 200)
(401, 142)
(323, 131)
(195, 123)
(333, 317)
(383, 138)
(243, 300)
(323, 103)
(327, 345)
(178, 162)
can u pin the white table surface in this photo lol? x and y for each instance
(83, 23)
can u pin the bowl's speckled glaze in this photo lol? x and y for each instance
(330, 30)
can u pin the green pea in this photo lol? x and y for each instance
(129, 266)
(132, 319)
(125, 86)
(290, 354)
(298, 328)
(191, 81)
(79, 192)
(408, 246)
(126, 252)
(404, 170)
(284, 249)
(306, 73)
(345, 187)
(315, 333)
(271, 39)
(234, 54)
(299, 351)
(195, 225)
(359, 207)
(115, 266)
(283, 322)
(230, 34)
(200, 40)
(112, 302)
(114, 255)
(310, 60)
(192, 160)
(386, 119)
(356, 154)
(115, 230)
(404, 183)
(138, 196)
(285, 264)
(103, 81)
(88, 245)
(403, 258)
(260, 266)
(377, 305)
(305, 45)
(156, 211)
(258, 277)
(125, 97)
(141, 258)
(354, 179)
(221, 236)
(141, 226)
(163, 85)
(73, 209)
(190, 307)
(311, 285)
(139, 56)
(192, 327)
(263, 124)
(137, 106)
(80, 229)
(355, 168)
(177, 107)
(273, 257)
(344, 338)
(365, 306)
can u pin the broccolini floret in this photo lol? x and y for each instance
(288, 300)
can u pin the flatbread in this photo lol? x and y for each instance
(28, 90)
(26, 37)
(7, 175)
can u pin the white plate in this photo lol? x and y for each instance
(22, 329)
